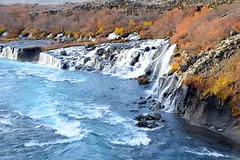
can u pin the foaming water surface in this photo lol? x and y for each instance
(47, 113)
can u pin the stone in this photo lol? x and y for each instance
(86, 59)
(100, 52)
(64, 66)
(139, 118)
(183, 68)
(134, 110)
(142, 124)
(135, 60)
(63, 53)
(142, 102)
(155, 106)
(147, 49)
(112, 49)
(233, 33)
(143, 80)
(155, 116)
(154, 125)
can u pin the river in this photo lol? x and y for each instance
(48, 113)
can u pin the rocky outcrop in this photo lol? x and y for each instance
(203, 62)
(208, 113)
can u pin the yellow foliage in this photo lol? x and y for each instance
(68, 33)
(76, 35)
(131, 22)
(3, 29)
(173, 67)
(119, 31)
(147, 24)
(177, 53)
(100, 29)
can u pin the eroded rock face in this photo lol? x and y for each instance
(208, 113)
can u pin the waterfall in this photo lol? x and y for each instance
(10, 53)
(49, 60)
(127, 60)
(165, 85)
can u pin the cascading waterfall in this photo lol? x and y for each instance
(9, 52)
(127, 60)
(48, 60)
(165, 85)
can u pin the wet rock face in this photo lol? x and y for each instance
(208, 113)
(29, 54)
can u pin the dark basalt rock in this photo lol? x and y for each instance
(100, 52)
(155, 106)
(183, 68)
(63, 53)
(150, 120)
(135, 60)
(64, 66)
(147, 49)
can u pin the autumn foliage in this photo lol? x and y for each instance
(223, 81)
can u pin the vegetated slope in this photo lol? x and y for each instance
(194, 25)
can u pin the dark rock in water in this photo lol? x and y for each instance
(142, 102)
(155, 106)
(147, 49)
(63, 53)
(134, 110)
(154, 47)
(142, 124)
(149, 121)
(148, 73)
(125, 35)
(86, 59)
(143, 80)
(64, 66)
(135, 60)
(155, 116)
(141, 106)
(139, 118)
(100, 52)
(153, 125)
(112, 49)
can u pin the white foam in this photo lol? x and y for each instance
(6, 121)
(205, 152)
(58, 141)
(134, 139)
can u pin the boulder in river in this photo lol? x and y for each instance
(143, 80)
(151, 120)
